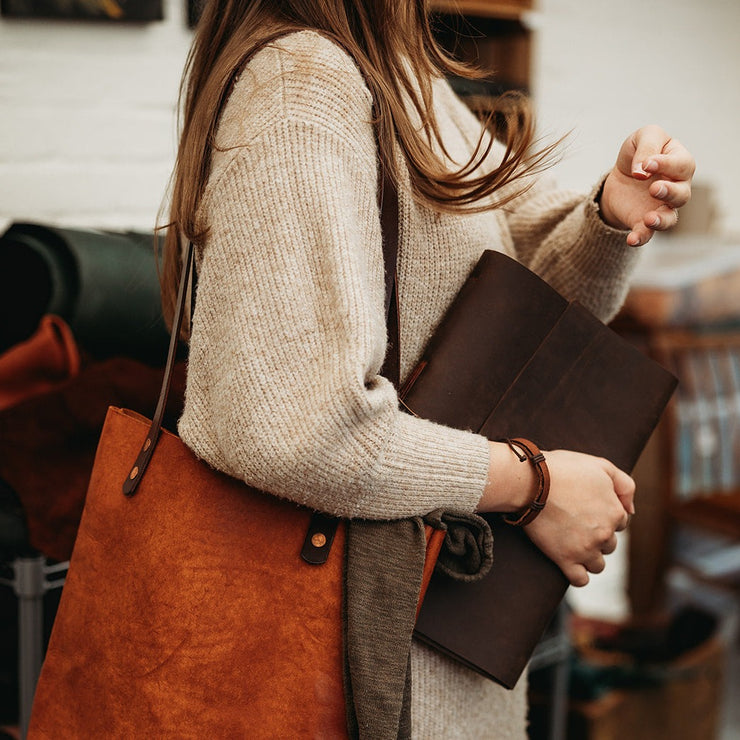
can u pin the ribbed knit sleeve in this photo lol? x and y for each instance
(289, 334)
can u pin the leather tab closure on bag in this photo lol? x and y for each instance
(319, 538)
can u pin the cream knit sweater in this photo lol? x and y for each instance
(289, 334)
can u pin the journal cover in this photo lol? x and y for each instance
(512, 357)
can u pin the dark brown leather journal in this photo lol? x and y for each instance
(512, 357)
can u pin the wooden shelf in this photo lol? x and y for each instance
(719, 512)
(501, 46)
(678, 484)
(506, 9)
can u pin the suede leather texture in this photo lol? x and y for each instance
(188, 612)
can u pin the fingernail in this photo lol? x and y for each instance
(638, 169)
(655, 222)
(651, 166)
(633, 240)
(661, 192)
(632, 509)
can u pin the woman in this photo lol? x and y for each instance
(276, 184)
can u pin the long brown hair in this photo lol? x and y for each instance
(392, 43)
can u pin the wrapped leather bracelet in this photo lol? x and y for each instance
(530, 451)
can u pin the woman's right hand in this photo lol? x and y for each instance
(590, 500)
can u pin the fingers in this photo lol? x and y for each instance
(665, 214)
(649, 142)
(624, 486)
(655, 152)
(667, 198)
(649, 183)
(624, 523)
(670, 165)
(674, 162)
(661, 218)
(577, 575)
(590, 501)
(606, 542)
(640, 235)
(596, 564)
(672, 194)
(610, 545)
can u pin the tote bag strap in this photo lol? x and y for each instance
(150, 442)
(388, 196)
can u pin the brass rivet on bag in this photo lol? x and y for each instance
(134, 473)
(147, 444)
(318, 540)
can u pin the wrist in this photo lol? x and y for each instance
(511, 486)
(603, 201)
(528, 452)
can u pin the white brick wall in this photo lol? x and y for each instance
(87, 128)
(87, 119)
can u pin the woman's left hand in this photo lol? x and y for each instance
(649, 183)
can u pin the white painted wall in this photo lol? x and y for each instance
(605, 67)
(87, 128)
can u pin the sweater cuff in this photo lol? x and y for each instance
(610, 239)
(602, 258)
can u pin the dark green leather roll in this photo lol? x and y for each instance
(104, 284)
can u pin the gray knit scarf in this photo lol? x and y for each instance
(383, 573)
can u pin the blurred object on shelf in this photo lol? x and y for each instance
(642, 680)
(646, 645)
(484, 8)
(711, 556)
(684, 310)
(685, 281)
(37, 365)
(493, 36)
(48, 442)
(706, 411)
(705, 423)
(690, 472)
